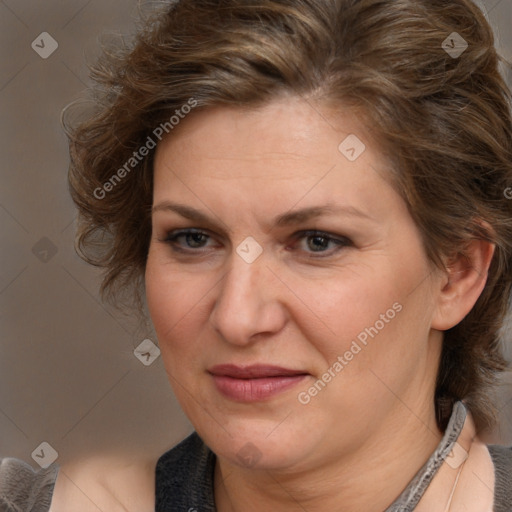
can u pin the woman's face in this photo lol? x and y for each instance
(279, 249)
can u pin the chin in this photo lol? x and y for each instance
(259, 444)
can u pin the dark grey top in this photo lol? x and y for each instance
(502, 458)
(184, 477)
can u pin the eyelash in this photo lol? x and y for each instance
(341, 241)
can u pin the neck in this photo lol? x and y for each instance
(465, 481)
(370, 478)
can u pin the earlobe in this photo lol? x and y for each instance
(465, 278)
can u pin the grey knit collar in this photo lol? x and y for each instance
(412, 494)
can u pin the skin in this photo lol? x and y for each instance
(361, 439)
(113, 483)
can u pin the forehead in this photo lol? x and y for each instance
(289, 147)
(289, 128)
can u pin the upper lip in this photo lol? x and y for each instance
(253, 371)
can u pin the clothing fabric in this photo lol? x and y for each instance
(184, 474)
(412, 494)
(24, 490)
(185, 477)
(502, 459)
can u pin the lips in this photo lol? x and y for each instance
(254, 383)
(253, 372)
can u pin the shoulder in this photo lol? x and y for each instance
(107, 481)
(22, 489)
(502, 459)
(184, 477)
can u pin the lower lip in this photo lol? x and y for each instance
(254, 390)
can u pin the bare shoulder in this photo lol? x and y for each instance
(113, 484)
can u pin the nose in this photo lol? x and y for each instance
(248, 302)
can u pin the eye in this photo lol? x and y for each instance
(312, 242)
(189, 240)
(320, 242)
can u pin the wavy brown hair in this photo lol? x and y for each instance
(443, 121)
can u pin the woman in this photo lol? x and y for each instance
(311, 195)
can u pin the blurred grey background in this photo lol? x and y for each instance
(68, 373)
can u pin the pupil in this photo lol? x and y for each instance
(318, 242)
(195, 239)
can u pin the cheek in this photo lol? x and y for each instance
(175, 301)
(345, 304)
(367, 315)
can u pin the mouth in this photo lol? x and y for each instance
(254, 383)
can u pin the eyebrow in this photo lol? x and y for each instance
(286, 219)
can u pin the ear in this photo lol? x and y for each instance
(459, 289)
